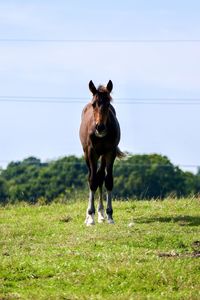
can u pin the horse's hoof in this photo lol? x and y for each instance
(101, 217)
(90, 220)
(101, 220)
(111, 221)
(90, 224)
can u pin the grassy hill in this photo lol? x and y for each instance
(152, 252)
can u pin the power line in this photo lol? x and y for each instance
(86, 98)
(45, 100)
(103, 41)
(74, 100)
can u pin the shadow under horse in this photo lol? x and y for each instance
(100, 136)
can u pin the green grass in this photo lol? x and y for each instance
(152, 252)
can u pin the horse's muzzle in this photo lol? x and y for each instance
(100, 130)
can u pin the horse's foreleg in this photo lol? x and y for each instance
(90, 210)
(93, 186)
(101, 178)
(109, 187)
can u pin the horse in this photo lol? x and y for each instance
(100, 135)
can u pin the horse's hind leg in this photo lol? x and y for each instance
(100, 208)
(101, 178)
(109, 209)
(109, 186)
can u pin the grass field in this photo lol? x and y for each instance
(152, 252)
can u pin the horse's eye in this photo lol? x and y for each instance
(94, 104)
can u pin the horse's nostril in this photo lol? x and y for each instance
(100, 127)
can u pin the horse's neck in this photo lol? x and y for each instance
(112, 110)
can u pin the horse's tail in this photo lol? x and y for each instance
(120, 154)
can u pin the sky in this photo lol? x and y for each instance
(52, 49)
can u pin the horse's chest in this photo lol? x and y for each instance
(103, 145)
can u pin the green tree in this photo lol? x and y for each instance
(3, 191)
(137, 176)
(30, 179)
(148, 176)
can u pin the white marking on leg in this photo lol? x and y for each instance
(101, 216)
(90, 220)
(90, 210)
(111, 221)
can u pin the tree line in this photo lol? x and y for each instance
(135, 177)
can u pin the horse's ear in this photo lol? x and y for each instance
(109, 86)
(92, 87)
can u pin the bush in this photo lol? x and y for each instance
(137, 176)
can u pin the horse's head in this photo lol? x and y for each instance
(100, 103)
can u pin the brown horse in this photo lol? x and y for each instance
(100, 136)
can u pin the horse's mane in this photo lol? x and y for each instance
(103, 89)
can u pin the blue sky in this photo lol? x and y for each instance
(143, 70)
